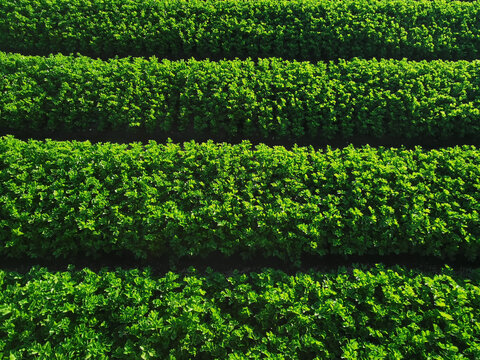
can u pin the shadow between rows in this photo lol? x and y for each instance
(142, 136)
(179, 54)
(229, 264)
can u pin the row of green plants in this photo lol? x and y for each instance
(362, 313)
(63, 199)
(293, 29)
(267, 99)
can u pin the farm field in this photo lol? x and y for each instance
(239, 179)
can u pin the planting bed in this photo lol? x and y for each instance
(360, 313)
(60, 199)
(291, 29)
(268, 99)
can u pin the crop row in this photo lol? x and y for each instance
(300, 29)
(61, 199)
(374, 313)
(266, 99)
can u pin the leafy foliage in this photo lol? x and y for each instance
(64, 199)
(61, 199)
(268, 99)
(371, 313)
(300, 29)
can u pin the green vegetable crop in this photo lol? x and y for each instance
(293, 29)
(270, 99)
(278, 71)
(61, 199)
(374, 313)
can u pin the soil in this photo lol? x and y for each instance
(143, 136)
(227, 265)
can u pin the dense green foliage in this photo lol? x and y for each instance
(177, 202)
(60, 199)
(372, 313)
(293, 29)
(268, 99)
